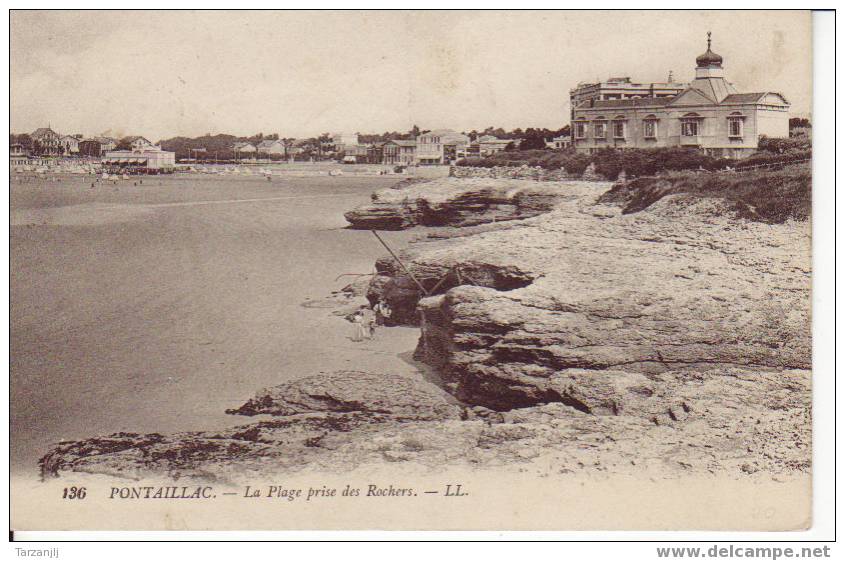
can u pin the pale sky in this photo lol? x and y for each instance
(163, 74)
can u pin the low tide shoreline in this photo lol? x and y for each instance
(545, 372)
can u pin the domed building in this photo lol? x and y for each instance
(710, 114)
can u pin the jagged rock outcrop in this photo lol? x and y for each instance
(680, 286)
(322, 413)
(402, 294)
(454, 202)
(349, 391)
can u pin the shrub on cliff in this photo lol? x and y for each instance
(783, 145)
(637, 162)
(643, 162)
(608, 161)
(576, 163)
(775, 159)
(476, 162)
(765, 196)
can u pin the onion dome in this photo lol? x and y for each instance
(708, 59)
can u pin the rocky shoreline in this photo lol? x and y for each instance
(669, 341)
(453, 202)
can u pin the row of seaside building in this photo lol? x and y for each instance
(136, 153)
(438, 147)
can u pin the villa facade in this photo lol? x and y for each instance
(710, 115)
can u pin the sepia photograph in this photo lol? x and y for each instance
(411, 270)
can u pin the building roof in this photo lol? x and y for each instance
(662, 101)
(744, 97)
(133, 138)
(43, 131)
(634, 102)
(449, 134)
(404, 142)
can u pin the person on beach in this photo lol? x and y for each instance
(357, 320)
(368, 322)
(363, 321)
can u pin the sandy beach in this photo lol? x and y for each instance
(155, 307)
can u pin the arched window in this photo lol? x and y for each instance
(600, 128)
(735, 125)
(691, 124)
(580, 128)
(619, 127)
(650, 126)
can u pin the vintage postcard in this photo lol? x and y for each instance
(410, 270)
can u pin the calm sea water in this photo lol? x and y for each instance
(153, 308)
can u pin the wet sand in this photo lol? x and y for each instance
(153, 308)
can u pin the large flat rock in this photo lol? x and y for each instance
(454, 202)
(348, 391)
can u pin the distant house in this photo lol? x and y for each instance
(135, 142)
(106, 143)
(244, 148)
(375, 153)
(356, 154)
(399, 152)
(147, 159)
(295, 148)
(488, 145)
(442, 146)
(18, 155)
(342, 141)
(48, 141)
(69, 144)
(271, 147)
(91, 147)
(560, 142)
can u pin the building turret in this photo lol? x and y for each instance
(708, 59)
(710, 76)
